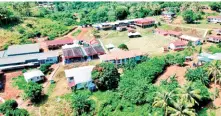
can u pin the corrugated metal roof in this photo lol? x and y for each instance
(23, 58)
(2, 54)
(23, 49)
(81, 74)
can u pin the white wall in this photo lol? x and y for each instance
(35, 79)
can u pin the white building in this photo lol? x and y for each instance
(34, 76)
(194, 40)
(77, 76)
(178, 45)
(214, 19)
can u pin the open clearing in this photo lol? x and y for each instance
(9, 91)
(149, 42)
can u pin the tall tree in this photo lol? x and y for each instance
(33, 91)
(163, 100)
(189, 94)
(106, 76)
(214, 70)
(181, 109)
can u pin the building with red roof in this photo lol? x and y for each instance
(145, 22)
(55, 44)
(72, 53)
(178, 45)
(161, 32)
(169, 32)
(119, 57)
(215, 39)
(174, 33)
(214, 19)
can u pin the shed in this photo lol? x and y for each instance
(34, 76)
(77, 76)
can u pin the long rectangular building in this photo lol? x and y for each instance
(22, 61)
(21, 56)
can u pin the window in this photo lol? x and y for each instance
(71, 78)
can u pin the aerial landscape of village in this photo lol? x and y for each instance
(110, 58)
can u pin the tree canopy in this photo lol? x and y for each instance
(9, 108)
(106, 76)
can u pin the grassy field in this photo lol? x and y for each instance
(149, 43)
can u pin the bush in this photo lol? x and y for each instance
(33, 91)
(9, 108)
(45, 68)
(82, 104)
(123, 47)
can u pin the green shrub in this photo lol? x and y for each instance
(214, 49)
(123, 47)
(45, 68)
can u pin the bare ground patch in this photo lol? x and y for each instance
(173, 70)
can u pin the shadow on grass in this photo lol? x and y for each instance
(42, 101)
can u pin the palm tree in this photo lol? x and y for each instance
(189, 94)
(163, 100)
(180, 109)
(214, 70)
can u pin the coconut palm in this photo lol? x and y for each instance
(214, 70)
(163, 100)
(189, 94)
(180, 109)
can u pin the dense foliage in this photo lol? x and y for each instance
(33, 91)
(190, 16)
(198, 74)
(82, 104)
(45, 68)
(9, 108)
(135, 83)
(215, 6)
(106, 76)
(177, 59)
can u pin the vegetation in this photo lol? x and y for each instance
(19, 82)
(82, 104)
(190, 16)
(214, 49)
(45, 68)
(9, 108)
(123, 47)
(215, 6)
(198, 74)
(214, 70)
(33, 91)
(106, 76)
(76, 32)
